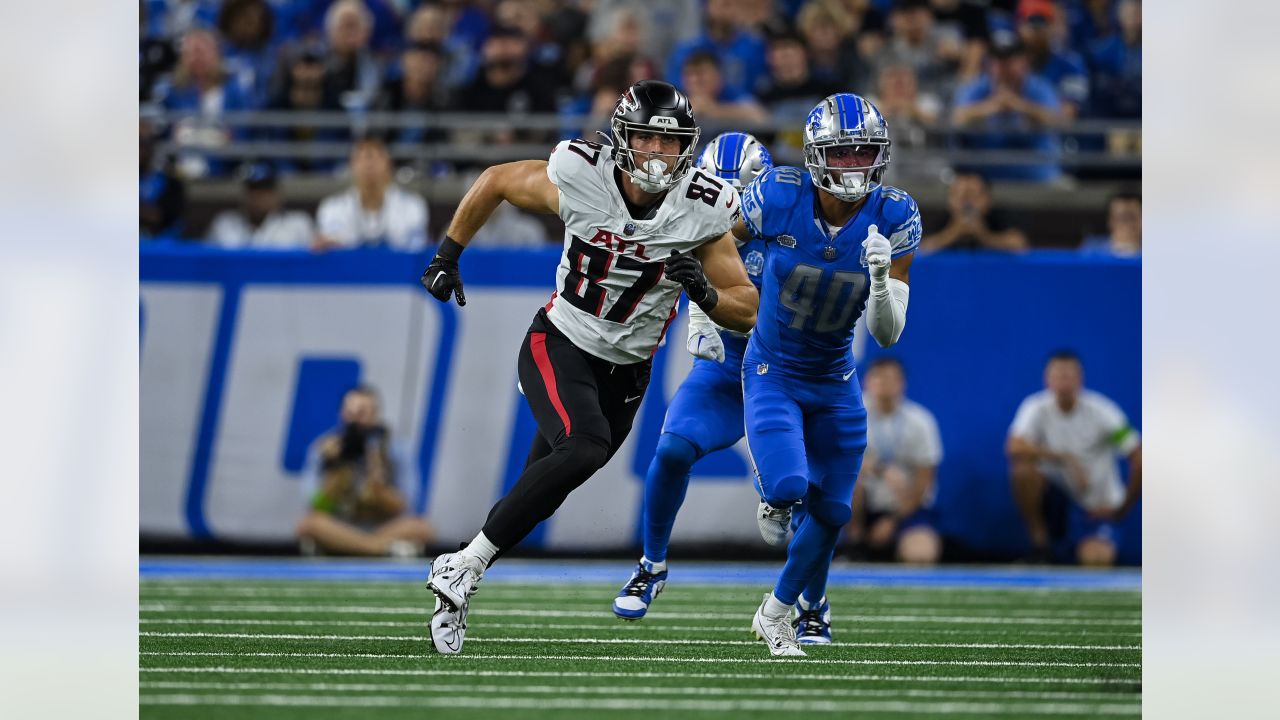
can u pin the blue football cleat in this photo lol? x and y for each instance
(813, 623)
(634, 598)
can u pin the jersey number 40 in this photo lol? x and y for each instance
(839, 302)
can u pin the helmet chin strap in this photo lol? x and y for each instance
(652, 177)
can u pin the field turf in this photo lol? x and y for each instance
(289, 639)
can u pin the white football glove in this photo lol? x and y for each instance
(878, 252)
(704, 339)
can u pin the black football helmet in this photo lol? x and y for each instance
(657, 107)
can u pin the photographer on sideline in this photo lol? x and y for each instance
(355, 507)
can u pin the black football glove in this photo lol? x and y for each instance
(686, 269)
(442, 277)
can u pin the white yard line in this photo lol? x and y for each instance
(481, 611)
(425, 672)
(877, 595)
(652, 693)
(625, 641)
(642, 704)
(649, 659)
(606, 623)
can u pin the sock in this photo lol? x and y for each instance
(653, 567)
(481, 549)
(665, 485)
(817, 586)
(773, 607)
(810, 552)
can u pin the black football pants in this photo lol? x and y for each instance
(584, 407)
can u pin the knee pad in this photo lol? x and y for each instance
(585, 452)
(831, 513)
(790, 489)
(674, 452)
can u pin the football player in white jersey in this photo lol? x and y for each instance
(641, 224)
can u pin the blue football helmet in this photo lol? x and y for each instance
(735, 157)
(846, 146)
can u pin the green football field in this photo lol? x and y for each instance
(256, 647)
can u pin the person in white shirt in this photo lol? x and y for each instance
(1062, 453)
(374, 212)
(893, 499)
(261, 222)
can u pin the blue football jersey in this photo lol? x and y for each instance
(815, 286)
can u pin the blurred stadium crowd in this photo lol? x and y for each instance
(269, 93)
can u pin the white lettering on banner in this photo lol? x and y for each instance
(179, 325)
(249, 493)
(480, 410)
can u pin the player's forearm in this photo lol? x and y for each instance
(887, 310)
(736, 308)
(477, 205)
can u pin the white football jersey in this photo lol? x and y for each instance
(612, 298)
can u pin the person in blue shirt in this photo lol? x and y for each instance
(1117, 66)
(1063, 68)
(706, 413)
(1009, 108)
(827, 263)
(741, 53)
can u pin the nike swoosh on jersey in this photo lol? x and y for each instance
(848, 375)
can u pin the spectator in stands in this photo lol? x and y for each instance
(1063, 69)
(200, 86)
(162, 197)
(302, 90)
(709, 97)
(835, 54)
(374, 212)
(506, 83)
(246, 27)
(1008, 108)
(790, 89)
(1124, 228)
(972, 222)
(680, 21)
(351, 74)
(1062, 451)
(915, 40)
(419, 88)
(1116, 62)
(261, 222)
(610, 81)
(893, 500)
(741, 53)
(356, 505)
(900, 100)
(430, 24)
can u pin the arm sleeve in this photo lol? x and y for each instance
(1026, 421)
(1120, 434)
(887, 311)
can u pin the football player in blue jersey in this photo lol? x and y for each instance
(839, 244)
(706, 413)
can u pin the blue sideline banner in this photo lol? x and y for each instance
(245, 356)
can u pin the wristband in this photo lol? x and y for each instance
(450, 249)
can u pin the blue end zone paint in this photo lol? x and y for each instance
(317, 399)
(438, 390)
(194, 504)
(526, 571)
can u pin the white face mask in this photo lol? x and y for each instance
(653, 177)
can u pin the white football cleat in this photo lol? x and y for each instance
(454, 577)
(775, 524)
(776, 632)
(448, 628)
